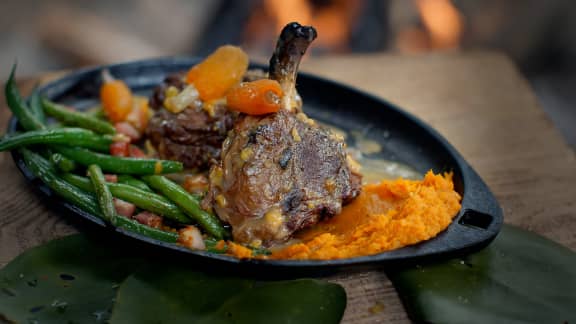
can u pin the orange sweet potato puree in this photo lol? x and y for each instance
(385, 216)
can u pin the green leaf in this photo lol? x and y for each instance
(76, 280)
(69, 280)
(520, 278)
(176, 294)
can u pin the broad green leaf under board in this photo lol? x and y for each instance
(520, 278)
(68, 280)
(177, 294)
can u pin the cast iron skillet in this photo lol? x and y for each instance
(403, 137)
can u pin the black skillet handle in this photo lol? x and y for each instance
(480, 217)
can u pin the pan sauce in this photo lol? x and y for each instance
(373, 169)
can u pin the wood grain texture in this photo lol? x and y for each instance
(478, 101)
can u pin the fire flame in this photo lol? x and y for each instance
(443, 22)
(333, 20)
(443, 27)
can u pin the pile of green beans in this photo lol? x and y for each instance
(85, 200)
(79, 136)
(63, 149)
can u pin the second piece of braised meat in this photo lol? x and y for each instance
(193, 136)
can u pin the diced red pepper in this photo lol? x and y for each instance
(124, 208)
(128, 130)
(121, 149)
(136, 152)
(149, 219)
(111, 178)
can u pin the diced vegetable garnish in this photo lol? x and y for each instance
(124, 208)
(255, 98)
(136, 152)
(129, 130)
(119, 149)
(178, 102)
(140, 114)
(116, 99)
(196, 183)
(149, 219)
(191, 237)
(219, 72)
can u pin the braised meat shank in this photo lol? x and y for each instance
(281, 172)
(278, 174)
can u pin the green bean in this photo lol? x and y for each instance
(131, 181)
(188, 203)
(17, 105)
(120, 165)
(62, 163)
(41, 169)
(84, 200)
(103, 194)
(143, 199)
(75, 118)
(158, 234)
(67, 136)
(149, 201)
(35, 104)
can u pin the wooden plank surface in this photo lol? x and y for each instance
(478, 101)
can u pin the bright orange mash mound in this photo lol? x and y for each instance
(385, 216)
